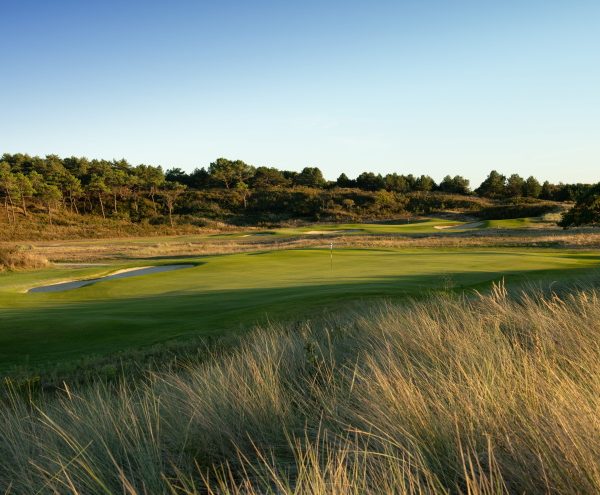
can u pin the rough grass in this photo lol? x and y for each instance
(482, 395)
(15, 258)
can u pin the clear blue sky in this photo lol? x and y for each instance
(421, 86)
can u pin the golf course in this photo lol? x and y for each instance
(300, 248)
(230, 293)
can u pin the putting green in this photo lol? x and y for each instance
(514, 223)
(232, 292)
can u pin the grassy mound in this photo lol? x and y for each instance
(486, 395)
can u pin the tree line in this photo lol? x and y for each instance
(229, 174)
(117, 188)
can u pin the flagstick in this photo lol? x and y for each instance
(331, 255)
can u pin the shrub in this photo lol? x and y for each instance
(585, 212)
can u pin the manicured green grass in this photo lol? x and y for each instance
(229, 293)
(513, 223)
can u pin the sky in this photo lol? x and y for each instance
(431, 87)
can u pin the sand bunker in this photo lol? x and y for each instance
(124, 273)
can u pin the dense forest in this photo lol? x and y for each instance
(234, 191)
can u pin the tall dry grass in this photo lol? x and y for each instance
(20, 258)
(482, 395)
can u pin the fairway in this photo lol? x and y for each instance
(230, 293)
(400, 227)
